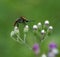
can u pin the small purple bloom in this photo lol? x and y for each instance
(36, 48)
(52, 45)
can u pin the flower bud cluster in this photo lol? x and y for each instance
(44, 30)
(41, 31)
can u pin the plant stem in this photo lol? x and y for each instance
(23, 42)
(24, 37)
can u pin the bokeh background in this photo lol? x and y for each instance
(37, 10)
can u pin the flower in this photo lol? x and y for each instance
(35, 27)
(16, 30)
(53, 48)
(52, 45)
(46, 22)
(26, 28)
(39, 24)
(36, 48)
(43, 32)
(50, 28)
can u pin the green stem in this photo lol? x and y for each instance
(24, 42)
(24, 37)
(44, 37)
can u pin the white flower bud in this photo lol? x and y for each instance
(12, 33)
(16, 30)
(35, 27)
(50, 28)
(39, 24)
(42, 31)
(55, 51)
(46, 22)
(43, 55)
(26, 28)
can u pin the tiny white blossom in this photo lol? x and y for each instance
(26, 28)
(16, 30)
(35, 27)
(42, 31)
(50, 27)
(46, 22)
(43, 55)
(12, 33)
(39, 24)
(55, 51)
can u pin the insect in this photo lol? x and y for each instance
(20, 20)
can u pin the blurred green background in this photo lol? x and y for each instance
(38, 10)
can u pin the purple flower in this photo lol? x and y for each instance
(53, 49)
(52, 45)
(36, 48)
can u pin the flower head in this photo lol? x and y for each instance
(53, 48)
(50, 28)
(36, 48)
(26, 28)
(42, 32)
(46, 22)
(16, 30)
(35, 27)
(52, 45)
(39, 24)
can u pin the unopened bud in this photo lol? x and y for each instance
(16, 30)
(42, 31)
(46, 22)
(50, 28)
(26, 28)
(39, 24)
(35, 27)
